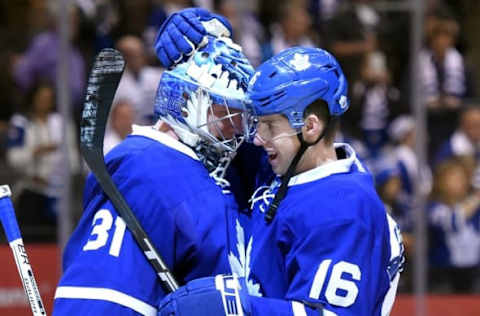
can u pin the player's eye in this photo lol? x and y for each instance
(272, 127)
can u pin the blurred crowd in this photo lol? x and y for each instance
(372, 45)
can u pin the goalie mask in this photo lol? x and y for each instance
(204, 100)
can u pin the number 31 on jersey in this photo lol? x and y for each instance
(102, 224)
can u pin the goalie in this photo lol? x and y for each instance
(171, 175)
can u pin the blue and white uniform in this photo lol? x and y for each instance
(180, 207)
(454, 238)
(331, 244)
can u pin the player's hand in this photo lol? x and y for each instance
(184, 31)
(211, 296)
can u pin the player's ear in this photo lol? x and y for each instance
(312, 128)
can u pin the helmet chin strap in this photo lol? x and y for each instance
(282, 191)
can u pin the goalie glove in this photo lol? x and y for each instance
(222, 295)
(185, 31)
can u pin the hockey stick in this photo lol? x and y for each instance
(14, 237)
(102, 85)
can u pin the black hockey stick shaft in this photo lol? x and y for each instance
(102, 85)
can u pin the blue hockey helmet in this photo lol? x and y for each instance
(290, 81)
(216, 74)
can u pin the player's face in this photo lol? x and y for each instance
(279, 140)
(224, 122)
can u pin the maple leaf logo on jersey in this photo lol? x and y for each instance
(300, 62)
(241, 265)
(264, 196)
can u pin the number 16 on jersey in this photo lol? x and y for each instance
(336, 282)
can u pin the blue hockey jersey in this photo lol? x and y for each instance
(179, 206)
(330, 244)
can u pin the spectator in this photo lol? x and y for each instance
(292, 30)
(247, 30)
(323, 10)
(101, 17)
(143, 18)
(352, 35)
(454, 228)
(139, 81)
(443, 68)
(466, 139)
(134, 17)
(388, 183)
(120, 125)
(402, 133)
(374, 101)
(36, 155)
(443, 80)
(40, 61)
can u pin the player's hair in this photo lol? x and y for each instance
(319, 108)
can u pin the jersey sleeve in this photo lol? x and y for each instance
(103, 264)
(105, 270)
(341, 267)
(344, 266)
(116, 305)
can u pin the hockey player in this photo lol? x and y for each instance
(318, 238)
(171, 176)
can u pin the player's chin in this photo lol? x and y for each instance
(277, 167)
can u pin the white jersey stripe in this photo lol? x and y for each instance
(328, 313)
(390, 296)
(93, 293)
(298, 309)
